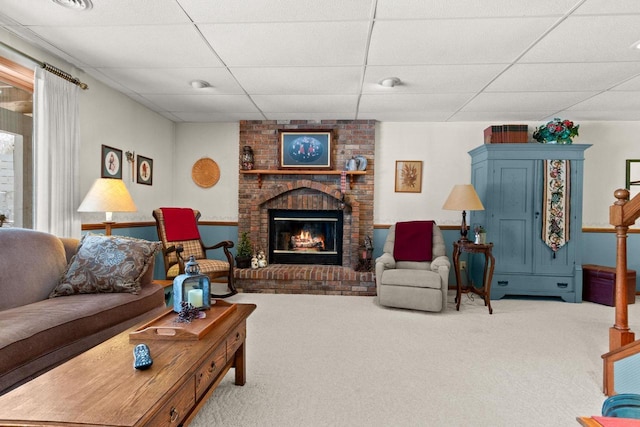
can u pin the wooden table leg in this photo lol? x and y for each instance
(239, 363)
(456, 259)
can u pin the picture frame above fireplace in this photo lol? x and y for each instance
(305, 149)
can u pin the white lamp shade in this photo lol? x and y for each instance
(108, 195)
(463, 197)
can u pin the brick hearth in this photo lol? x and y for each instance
(303, 191)
(305, 279)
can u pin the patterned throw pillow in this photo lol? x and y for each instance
(106, 264)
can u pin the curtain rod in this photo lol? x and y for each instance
(50, 68)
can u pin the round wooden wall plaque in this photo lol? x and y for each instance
(205, 172)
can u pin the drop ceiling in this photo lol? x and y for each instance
(458, 60)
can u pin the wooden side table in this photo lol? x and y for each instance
(485, 291)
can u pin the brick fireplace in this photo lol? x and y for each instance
(318, 191)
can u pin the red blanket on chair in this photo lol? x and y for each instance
(180, 224)
(413, 241)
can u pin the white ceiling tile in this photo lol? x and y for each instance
(234, 11)
(310, 103)
(203, 103)
(315, 116)
(613, 101)
(139, 46)
(438, 9)
(499, 116)
(453, 41)
(299, 80)
(412, 102)
(216, 117)
(104, 12)
(431, 78)
(605, 7)
(589, 39)
(173, 80)
(465, 60)
(564, 77)
(524, 101)
(289, 44)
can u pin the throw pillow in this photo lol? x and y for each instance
(413, 241)
(106, 264)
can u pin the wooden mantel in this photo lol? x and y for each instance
(261, 172)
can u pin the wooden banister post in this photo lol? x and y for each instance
(620, 334)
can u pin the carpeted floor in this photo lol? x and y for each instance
(345, 361)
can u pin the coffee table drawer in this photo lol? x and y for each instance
(208, 371)
(236, 338)
(177, 408)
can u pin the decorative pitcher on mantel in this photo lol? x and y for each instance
(356, 163)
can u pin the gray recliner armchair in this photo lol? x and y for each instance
(413, 284)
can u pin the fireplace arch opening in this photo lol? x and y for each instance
(305, 236)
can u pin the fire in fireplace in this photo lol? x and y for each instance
(305, 236)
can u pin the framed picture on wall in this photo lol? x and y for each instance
(305, 149)
(408, 176)
(144, 166)
(111, 161)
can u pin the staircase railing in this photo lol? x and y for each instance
(622, 214)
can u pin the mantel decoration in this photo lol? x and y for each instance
(305, 149)
(557, 131)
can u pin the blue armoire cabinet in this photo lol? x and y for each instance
(509, 178)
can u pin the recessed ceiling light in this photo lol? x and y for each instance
(75, 4)
(200, 84)
(389, 82)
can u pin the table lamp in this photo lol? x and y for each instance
(463, 197)
(108, 195)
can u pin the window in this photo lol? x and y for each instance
(16, 128)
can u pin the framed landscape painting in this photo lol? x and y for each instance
(305, 149)
(408, 176)
(111, 160)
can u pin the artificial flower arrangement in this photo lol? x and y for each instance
(558, 130)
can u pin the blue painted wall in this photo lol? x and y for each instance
(599, 248)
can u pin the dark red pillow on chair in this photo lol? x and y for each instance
(413, 241)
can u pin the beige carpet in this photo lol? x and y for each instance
(345, 361)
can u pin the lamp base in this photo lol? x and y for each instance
(107, 227)
(463, 227)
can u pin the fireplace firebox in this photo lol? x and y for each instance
(305, 236)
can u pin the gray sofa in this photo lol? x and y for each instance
(37, 331)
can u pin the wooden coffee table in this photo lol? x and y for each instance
(101, 388)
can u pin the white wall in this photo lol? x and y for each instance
(111, 118)
(219, 142)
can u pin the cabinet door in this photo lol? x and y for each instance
(511, 199)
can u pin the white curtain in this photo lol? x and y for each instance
(56, 146)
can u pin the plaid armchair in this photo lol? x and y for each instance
(184, 240)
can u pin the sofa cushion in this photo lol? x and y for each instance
(31, 263)
(106, 264)
(37, 330)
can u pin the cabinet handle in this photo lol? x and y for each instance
(174, 415)
(238, 335)
(503, 282)
(562, 285)
(212, 367)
